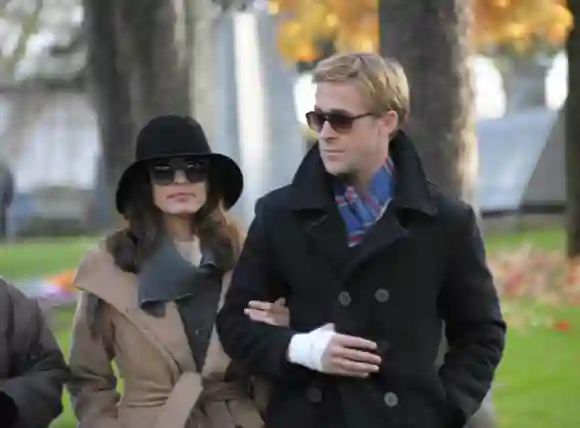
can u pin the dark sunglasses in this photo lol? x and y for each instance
(163, 172)
(340, 122)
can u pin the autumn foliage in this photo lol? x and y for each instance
(354, 24)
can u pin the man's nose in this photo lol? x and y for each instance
(326, 131)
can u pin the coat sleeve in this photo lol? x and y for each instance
(38, 368)
(475, 328)
(93, 382)
(260, 347)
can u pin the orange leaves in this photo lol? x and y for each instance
(302, 23)
(528, 272)
(520, 22)
(63, 280)
(531, 275)
(353, 24)
(562, 325)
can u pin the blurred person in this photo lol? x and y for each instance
(372, 260)
(150, 293)
(32, 367)
(6, 196)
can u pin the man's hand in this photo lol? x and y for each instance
(276, 313)
(329, 352)
(350, 356)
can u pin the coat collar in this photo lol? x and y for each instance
(311, 188)
(98, 275)
(168, 276)
(311, 196)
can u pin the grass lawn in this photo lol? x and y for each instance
(539, 378)
(537, 383)
(37, 257)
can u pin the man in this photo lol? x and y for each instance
(32, 367)
(371, 259)
(6, 196)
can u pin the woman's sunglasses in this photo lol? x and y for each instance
(340, 122)
(163, 172)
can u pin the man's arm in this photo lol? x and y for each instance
(475, 328)
(259, 346)
(38, 367)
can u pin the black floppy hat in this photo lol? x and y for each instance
(173, 136)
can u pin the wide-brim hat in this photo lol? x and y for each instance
(173, 136)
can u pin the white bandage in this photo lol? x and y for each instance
(307, 349)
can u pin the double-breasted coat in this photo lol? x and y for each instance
(163, 387)
(422, 263)
(32, 367)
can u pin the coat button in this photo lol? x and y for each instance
(382, 295)
(382, 346)
(391, 399)
(344, 298)
(314, 394)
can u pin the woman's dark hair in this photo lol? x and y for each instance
(131, 245)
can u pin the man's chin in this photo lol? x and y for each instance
(335, 169)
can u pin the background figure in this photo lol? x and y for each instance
(32, 367)
(6, 196)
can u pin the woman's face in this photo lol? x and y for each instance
(179, 184)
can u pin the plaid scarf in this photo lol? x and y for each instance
(360, 213)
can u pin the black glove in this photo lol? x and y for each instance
(8, 410)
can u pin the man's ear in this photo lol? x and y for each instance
(389, 121)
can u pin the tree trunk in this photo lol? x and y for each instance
(155, 47)
(109, 80)
(137, 69)
(430, 40)
(572, 109)
(201, 18)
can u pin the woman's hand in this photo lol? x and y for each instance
(276, 313)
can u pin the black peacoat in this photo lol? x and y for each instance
(421, 264)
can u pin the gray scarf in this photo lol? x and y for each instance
(168, 276)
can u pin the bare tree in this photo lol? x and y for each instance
(431, 40)
(137, 69)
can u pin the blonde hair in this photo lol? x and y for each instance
(383, 82)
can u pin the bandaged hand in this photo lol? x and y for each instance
(326, 351)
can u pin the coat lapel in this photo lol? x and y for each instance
(386, 231)
(313, 202)
(328, 234)
(100, 276)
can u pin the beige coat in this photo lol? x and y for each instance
(162, 386)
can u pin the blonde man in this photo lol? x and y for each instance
(372, 259)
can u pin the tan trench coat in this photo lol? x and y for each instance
(162, 386)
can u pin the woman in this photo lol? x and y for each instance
(150, 293)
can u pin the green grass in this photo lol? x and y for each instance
(551, 239)
(33, 258)
(538, 380)
(62, 320)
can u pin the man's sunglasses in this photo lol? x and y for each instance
(163, 172)
(340, 122)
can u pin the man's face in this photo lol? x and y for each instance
(351, 147)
